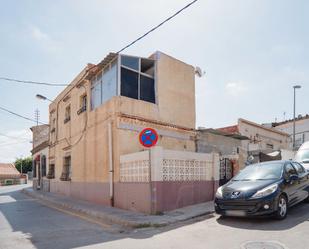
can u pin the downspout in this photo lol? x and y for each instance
(111, 164)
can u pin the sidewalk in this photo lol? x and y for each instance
(119, 216)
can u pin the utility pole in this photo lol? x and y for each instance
(294, 107)
(37, 116)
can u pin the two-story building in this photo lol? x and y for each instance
(40, 154)
(95, 153)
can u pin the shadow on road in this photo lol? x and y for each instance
(297, 215)
(47, 228)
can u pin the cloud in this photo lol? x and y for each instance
(38, 34)
(235, 88)
(16, 144)
(43, 39)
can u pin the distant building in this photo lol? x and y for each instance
(301, 129)
(228, 145)
(40, 152)
(9, 174)
(261, 138)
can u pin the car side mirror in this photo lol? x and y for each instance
(293, 178)
(305, 161)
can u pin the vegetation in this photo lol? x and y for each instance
(25, 163)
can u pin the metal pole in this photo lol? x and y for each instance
(294, 121)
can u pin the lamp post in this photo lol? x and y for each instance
(294, 87)
(42, 97)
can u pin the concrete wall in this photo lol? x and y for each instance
(158, 180)
(301, 130)
(40, 134)
(209, 142)
(262, 136)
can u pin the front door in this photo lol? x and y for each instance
(38, 173)
(226, 171)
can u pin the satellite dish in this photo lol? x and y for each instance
(199, 72)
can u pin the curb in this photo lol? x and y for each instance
(162, 221)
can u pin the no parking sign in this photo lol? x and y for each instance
(148, 137)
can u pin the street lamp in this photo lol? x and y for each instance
(42, 97)
(294, 87)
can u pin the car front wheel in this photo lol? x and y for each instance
(282, 208)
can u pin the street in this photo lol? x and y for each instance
(26, 223)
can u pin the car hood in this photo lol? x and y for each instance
(245, 188)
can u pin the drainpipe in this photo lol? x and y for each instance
(111, 164)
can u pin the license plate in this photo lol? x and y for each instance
(235, 213)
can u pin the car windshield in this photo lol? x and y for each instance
(260, 171)
(302, 155)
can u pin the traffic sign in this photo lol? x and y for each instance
(148, 137)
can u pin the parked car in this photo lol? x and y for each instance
(302, 155)
(267, 188)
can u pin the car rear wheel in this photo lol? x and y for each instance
(282, 208)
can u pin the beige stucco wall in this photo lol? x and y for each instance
(262, 135)
(89, 148)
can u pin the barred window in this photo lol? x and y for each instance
(51, 171)
(66, 169)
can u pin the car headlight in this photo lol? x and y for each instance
(219, 192)
(266, 191)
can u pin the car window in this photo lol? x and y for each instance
(300, 169)
(260, 171)
(290, 170)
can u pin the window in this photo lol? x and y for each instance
(43, 165)
(66, 169)
(53, 125)
(96, 98)
(137, 78)
(130, 62)
(67, 114)
(129, 83)
(289, 170)
(300, 170)
(104, 85)
(147, 89)
(51, 171)
(269, 146)
(82, 104)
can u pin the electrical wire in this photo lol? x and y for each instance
(32, 82)
(157, 26)
(14, 143)
(21, 116)
(12, 137)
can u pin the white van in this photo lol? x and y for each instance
(302, 155)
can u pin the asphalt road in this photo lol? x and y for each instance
(26, 223)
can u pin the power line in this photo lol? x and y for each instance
(13, 143)
(154, 28)
(12, 137)
(18, 115)
(32, 82)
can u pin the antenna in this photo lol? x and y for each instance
(198, 71)
(37, 116)
(284, 116)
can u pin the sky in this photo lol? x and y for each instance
(252, 52)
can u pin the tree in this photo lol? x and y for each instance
(26, 163)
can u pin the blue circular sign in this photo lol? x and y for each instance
(148, 137)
